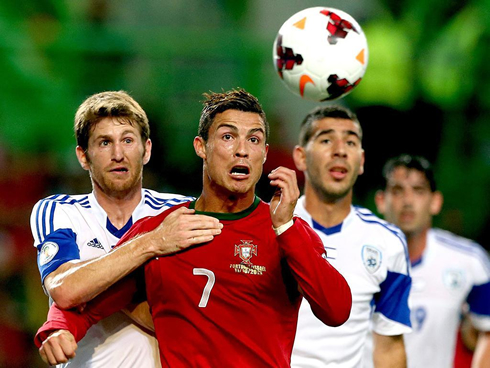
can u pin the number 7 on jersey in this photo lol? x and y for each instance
(209, 284)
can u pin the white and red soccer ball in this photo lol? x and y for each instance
(321, 53)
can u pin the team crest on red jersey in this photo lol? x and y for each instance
(245, 251)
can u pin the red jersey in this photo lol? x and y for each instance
(234, 301)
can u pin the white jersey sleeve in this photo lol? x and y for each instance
(391, 314)
(55, 222)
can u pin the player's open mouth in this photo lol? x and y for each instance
(120, 169)
(239, 171)
(338, 172)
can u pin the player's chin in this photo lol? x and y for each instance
(241, 187)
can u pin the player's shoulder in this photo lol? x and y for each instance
(373, 223)
(63, 200)
(148, 223)
(157, 200)
(457, 244)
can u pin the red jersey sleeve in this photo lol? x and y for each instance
(323, 286)
(114, 299)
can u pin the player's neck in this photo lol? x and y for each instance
(327, 213)
(118, 206)
(222, 202)
(417, 242)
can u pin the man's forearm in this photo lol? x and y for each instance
(389, 351)
(117, 297)
(75, 283)
(481, 358)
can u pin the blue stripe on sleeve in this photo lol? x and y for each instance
(392, 300)
(68, 250)
(37, 223)
(479, 299)
(51, 218)
(43, 216)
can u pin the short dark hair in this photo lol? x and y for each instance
(322, 112)
(410, 162)
(235, 99)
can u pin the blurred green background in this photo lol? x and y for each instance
(426, 91)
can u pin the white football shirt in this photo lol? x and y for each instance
(452, 273)
(372, 256)
(70, 227)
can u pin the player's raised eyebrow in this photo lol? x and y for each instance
(226, 125)
(347, 132)
(257, 130)
(235, 129)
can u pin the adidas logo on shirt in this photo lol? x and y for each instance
(95, 244)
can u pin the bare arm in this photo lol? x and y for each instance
(481, 358)
(389, 351)
(74, 283)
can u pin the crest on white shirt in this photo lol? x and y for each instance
(453, 279)
(371, 258)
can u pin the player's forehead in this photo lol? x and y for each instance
(113, 126)
(331, 125)
(407, 177)
(237, 120)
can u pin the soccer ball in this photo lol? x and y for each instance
(321, 53)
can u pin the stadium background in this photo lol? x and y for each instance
(426, 91)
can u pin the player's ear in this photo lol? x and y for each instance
(436, 203)
(299, 157)
(200, 147)
(361, 167)
(266, 152)
(379, 199)
(147, 154)
(82, 158)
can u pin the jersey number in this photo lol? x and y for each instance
(209, 285)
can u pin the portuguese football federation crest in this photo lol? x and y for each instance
(245, 251)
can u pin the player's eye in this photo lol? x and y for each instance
(351, 142)
(128, 140)
(397, 191)
(254, 140)
(227, 137)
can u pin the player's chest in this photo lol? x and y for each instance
(362, 260)
(239, 258)
(95, 242)
(448, 282)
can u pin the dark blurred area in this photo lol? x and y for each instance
(426, 91)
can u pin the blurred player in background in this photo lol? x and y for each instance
(449, 272)
(74, 234)
(367, 251)
(233, 301)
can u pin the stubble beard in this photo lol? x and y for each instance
(331, 192)
(116, 188)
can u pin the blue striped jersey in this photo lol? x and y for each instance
(75, 227)
(452, 276)
(372, 256)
